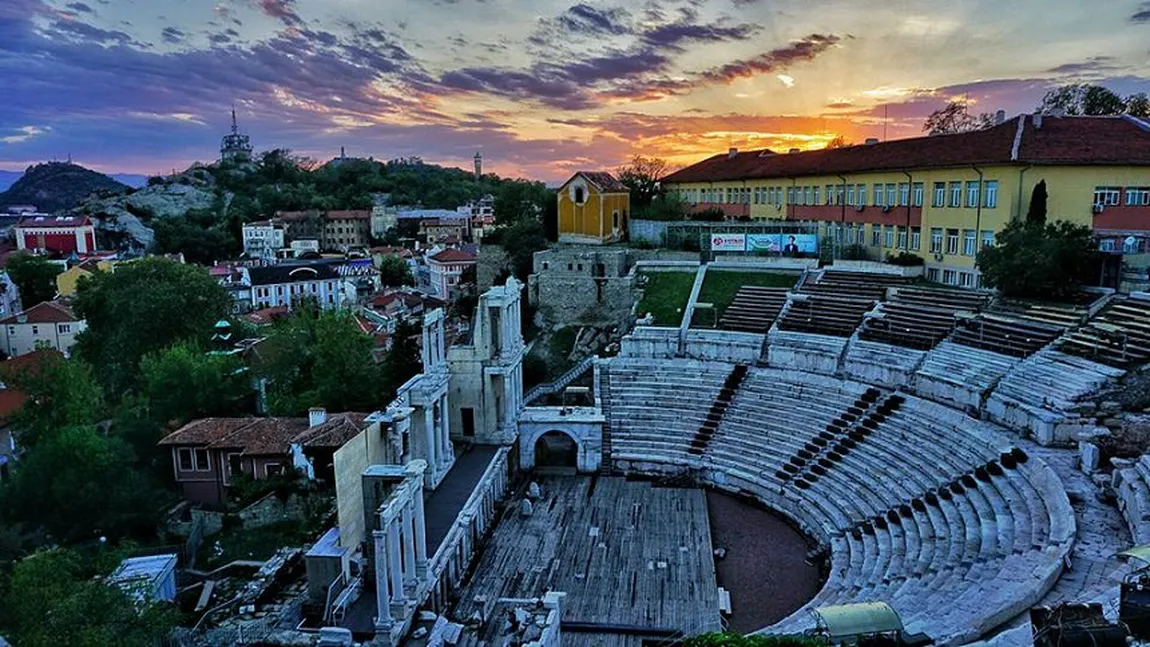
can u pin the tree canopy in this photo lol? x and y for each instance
(395, 272)
(61, 392)
(1093, 100)
(54, 600)
(144, 307)
(182, 383)
(34, 276)
(1039, 260)
(642, 175)
(321, 359)
(954, 118)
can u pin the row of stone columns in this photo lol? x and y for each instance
(440, 453)
(400, 559)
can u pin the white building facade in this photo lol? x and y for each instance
(263, 239)
(46, 325)
(291, 285)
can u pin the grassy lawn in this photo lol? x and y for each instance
(720, 286)
(666, 296)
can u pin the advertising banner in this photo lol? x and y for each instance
(783, 243)
(728, 242)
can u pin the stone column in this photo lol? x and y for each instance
(394, 566)
(420, 537)
(383, 611)
(429, 428)
(447, 456)
(408, 547)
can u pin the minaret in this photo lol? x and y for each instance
(478, 165)
(235, 125)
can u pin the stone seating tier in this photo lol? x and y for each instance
(930, 510)
(1118, 336)
(754, 309)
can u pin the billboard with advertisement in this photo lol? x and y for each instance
(728, 242)
(783, 243)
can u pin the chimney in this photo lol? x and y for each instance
(731, 154)
(871, 141)
(1038, 121)
(793, 150)
(316, 416)
(999, 117)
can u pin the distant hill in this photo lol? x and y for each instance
(58, 186)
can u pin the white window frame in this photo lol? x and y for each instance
(915, 238)
(904, 194)
(950, 277)
(1108, 196)
(936, 240)
(952, 241)
(939, 199)
(990, 196)
(972, 194)
(918, 190)
(181, 452)
(207, 467)
(955, 195)
(888, 236)
(986, 239)
(969, 242)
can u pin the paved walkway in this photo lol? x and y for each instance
(765, 568)
(442, 506)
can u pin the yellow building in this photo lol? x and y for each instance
(67, 281)
(593, 209)
(944, 197)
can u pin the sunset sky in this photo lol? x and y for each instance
(541, 87)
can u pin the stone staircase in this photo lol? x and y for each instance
(572, 374)
(718, 409)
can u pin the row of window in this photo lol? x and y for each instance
(954, 277)
(1111, 196)
(970, 241)
(62, 329)
(293, 289)
(197, 459)
(901, 194)
(894, 237)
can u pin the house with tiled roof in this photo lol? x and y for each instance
(50, 324)
(942, 197)
(594, 208)
(445, 270)
(210, 454)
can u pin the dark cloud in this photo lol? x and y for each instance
(1092, 64)
(585, 19)
(281, 10)
(80, 7)
(675, 34)
(173, 35)
(805, 49)
(1142, 15)
(82, 32)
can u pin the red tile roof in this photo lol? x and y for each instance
(329, 215)
(46, 312)
(603, 181)
(266, 315)
(1059, 140)
(54, 221)
(453, 256)
(266, 436)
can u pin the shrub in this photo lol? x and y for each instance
(905, 259)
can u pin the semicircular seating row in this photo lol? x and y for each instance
(919, 505)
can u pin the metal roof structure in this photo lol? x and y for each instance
(844, 620)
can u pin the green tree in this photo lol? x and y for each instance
(520, 241)
(517, 200)
(403, 360)
(61, 392)
(1036, 213)
(751, 640)
(183, 382)
(34, 276)
(395, 272)
(79, 484)
(664, 207)
(199, 243)
(53, 600)
(1085, 99)
(142, 308)
(1138, 105)
(321, 360)
(642, 175)
(1039, 260)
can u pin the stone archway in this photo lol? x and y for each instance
(556, 450)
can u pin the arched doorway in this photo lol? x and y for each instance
(556, 450)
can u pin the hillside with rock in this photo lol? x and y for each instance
(127, 220)
(59, 186)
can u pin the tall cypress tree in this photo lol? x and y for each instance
(1036, 215)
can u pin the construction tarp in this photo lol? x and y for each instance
(858, 619)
